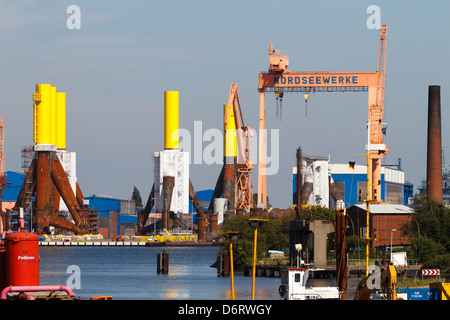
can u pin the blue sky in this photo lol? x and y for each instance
(116, 68)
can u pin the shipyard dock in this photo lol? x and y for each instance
(126, 244)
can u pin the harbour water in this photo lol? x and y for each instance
(129, 273)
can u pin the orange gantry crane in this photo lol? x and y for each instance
(244, 165)
(279, 80)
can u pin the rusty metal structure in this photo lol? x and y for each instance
(243, 191)
(434, 144)
(47, 182)
(341, 249)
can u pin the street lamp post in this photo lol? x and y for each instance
(231, 236)
(392, 231)
(255, 223)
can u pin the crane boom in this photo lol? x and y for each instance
(244, 166)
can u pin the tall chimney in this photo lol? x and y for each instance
(434, 147)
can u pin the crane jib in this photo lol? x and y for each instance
(316, 80)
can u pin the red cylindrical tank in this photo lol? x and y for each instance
(22, 254)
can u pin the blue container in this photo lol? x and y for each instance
(418, 294)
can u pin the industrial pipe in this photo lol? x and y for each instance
(341, 249)
(230, 137)
(171, 120)
(230, 153)
(42, 113)
(61, 181)
(64, 224)
(61, 120)
(8, 289)
(201, 214)
(168, 185)
(228, 185)
(53, 115)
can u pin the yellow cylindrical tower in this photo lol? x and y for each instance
(61, 120)
(229, 131)
(171, 120)
(53, 116)
(42, 111)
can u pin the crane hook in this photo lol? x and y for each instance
(281, 104)
(306, 96)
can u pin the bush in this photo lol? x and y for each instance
(441, 262)
(425, 248)
(272, 235)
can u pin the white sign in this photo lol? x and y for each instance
(399, 259)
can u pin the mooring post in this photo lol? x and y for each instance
(162, 262)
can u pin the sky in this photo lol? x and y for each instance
(117, 65)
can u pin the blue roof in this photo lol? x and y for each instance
(103, 204)
(14, 181)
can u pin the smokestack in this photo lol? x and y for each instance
(434, 147)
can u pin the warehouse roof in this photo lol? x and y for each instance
(387, 208)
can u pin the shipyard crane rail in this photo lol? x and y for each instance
(279, 80)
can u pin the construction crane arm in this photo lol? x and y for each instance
(233, 101)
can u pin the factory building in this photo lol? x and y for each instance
(384, 218)
(445, 186)
(10, 193)
(204, 197)
(350, 182)
(14, 181)
(115, 216)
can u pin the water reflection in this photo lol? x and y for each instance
(130, 273)
(175, 293)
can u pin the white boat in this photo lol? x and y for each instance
(294, 286)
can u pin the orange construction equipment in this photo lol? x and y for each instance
(244, 166)
(279, 81)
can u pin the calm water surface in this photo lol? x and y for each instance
(130, 273)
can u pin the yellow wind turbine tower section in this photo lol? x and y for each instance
(53, 116)
(171, 120)
(49, 116)
(42, 114)
(61, 120)
(230, 138)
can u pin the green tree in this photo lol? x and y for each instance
(136, 196)
(429, 228)
(272, 235)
